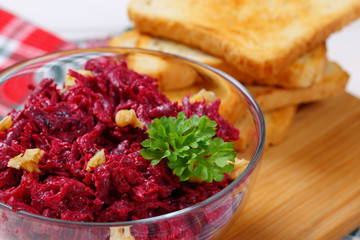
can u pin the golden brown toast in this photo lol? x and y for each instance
(232, 107)
(176, 80)
(277, 121)
(311, 66)
(279, 105)
(133, 38)
(259, 38)
(125, 39)
(277, 124)
(302, 73)
(270, 98)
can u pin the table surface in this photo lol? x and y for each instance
(92, 19)
(307, 188)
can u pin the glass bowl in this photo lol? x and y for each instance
(205, 220)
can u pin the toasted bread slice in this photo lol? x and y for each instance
(259, 38)
(273, 98)
(176, 80)
(277, 121)
(232, 106)
(171, 75)
(270, 98)
(167, 73)
(126, 39)
(277, 124)
(133, 38)
(302, 73)
(332, 82)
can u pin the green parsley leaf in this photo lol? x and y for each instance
(190, 146)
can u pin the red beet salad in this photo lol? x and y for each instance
(67, 155)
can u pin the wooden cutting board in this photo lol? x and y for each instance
(308, 187)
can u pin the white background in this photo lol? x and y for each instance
(94, 19)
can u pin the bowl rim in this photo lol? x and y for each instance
(248, 98)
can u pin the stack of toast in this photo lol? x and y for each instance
(277, 49)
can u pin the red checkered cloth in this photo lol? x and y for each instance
(21, 40)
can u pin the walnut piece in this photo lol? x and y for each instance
(70, 81)
(28, 161)
(5, 123)
(208, 96)
(128, 117)
(96, 160)
(239, 166)
(122, 233)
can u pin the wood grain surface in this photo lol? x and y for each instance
(308, 186)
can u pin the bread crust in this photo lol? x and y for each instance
(302, 73)
(270, 98)
(259, 38)
(277, 122)
(318, 78)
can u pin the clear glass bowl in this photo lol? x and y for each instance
(205, 220)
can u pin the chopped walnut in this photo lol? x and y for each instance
(96, 160)
(128, 117)
(5, 123)
(209, 96)
(85, 73)
(122, 233)
(70, 81)
(239, 166)
(28, 161)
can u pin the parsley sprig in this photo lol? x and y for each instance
(190, 147)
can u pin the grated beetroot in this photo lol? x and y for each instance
(71, 127)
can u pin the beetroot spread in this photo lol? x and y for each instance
(70, 127)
